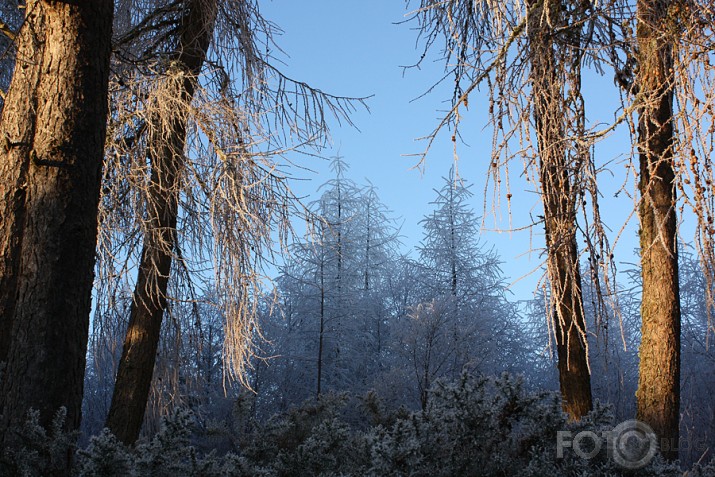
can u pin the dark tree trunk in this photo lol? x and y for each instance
(658, 395)
(52, 135)
(560, 192)
(165, 150)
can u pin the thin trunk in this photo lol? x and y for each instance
(424, 392)
(53, 129)
(322, 329)
(340, 245)
(210, 361)
(379, 341)
(366, 285)
(456, 321)
(452, 246)
(658, 395)
(165, 151)
(559, 196)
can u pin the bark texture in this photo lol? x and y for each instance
(559, 187)
(52, 135)
(658, 395)
(165, 153)
(17, 125)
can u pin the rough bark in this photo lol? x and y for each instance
(51, 148)
(16, 137)
(559, 195)
(165, 152)
(658, 395)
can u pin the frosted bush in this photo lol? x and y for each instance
(492, 427)
(487, 427)
(106, 456)
(168, 454)
(38, 452)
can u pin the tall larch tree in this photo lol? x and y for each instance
(165, 150)
(194, 179)
(52, 134)
(559, 170)
(529, 56)
(658, 395)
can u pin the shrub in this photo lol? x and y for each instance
(475, 426)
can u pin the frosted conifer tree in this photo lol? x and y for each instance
(461, 319)
(335, 322)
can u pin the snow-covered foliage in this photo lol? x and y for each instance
(474, 425)
(377, 362)
(40, 452)
(355, 315)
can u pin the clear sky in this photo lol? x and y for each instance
(357, 48)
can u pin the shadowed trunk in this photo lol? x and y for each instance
(165, 151)
(52, 135)
(559, 195)
(658, 395)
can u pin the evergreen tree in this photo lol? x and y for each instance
(462, 319)
(331, 290)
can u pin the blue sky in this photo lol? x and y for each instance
(358, 48)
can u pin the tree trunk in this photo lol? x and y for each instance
(559, 194)
(52, 135)
(322, 324)
(165, 151)
(16, 139)
(658, 395)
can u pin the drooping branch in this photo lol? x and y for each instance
(231, 198)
